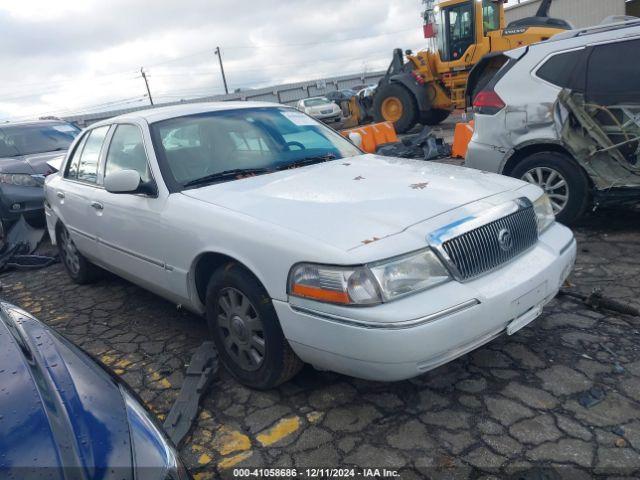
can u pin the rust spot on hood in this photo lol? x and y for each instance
(359, 177)
(419, 186)
(368, 241)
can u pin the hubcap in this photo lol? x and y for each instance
(553, 183)
(241, 329)
(69, 252)
(392, 109)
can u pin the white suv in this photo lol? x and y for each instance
(300, 248)
(563, 114)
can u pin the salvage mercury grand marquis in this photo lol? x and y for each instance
(300, 248)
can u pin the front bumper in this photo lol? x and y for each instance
(17, 201)
(328, 117)
(410, 336)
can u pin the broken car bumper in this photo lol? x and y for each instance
(410, 336)
(482, 156)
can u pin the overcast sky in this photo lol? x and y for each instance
(61, 57)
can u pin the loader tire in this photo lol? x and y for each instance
(435, 116)
(396, 104)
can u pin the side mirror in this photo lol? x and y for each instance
(123, 181)
(356, 139)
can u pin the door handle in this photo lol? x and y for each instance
(60, 194)
(97, 205)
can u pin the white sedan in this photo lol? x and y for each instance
(321, 108)
(297, 247)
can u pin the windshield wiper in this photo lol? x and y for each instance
(226, 175)
(307, 161)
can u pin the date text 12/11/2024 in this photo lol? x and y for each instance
(315, 473)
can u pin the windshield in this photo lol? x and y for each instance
(31, 139)
(198, 146)
(314, 102)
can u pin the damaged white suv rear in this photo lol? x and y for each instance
(300, 248)
(564, 114)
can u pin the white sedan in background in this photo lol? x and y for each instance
(321, 108)
(298, 247)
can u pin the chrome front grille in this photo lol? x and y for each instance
(490, 245)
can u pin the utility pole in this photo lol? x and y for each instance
(146, 82)
(224, 79)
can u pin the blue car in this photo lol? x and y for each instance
(62, 416)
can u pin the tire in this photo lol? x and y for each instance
(241, 330)
(81, 270)
(395, 98)
(538, 168)
(435, 116)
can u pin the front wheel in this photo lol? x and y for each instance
(246, 330)
(562, 179)
(396, 104)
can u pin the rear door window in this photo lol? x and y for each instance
(74, 161)
(90, 156)
(564, 70)
(613, 72)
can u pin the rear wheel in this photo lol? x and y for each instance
(246, 330)
(396, 104)
(81, 270)
(562, 179)
(434, 116)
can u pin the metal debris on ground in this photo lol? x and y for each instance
(424, 145)
(20, 243)
(199, 376)
(592, 397)
(597, 301)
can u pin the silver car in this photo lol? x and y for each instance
(565, 115)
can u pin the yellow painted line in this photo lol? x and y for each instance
(124, 363)
(227, 441)
(314, 417)
(203, 476)
(233, 461)
(280, 430)
(107, 359)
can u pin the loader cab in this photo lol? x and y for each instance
(463, 24)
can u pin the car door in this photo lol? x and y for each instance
(131, 232)
(78, 188)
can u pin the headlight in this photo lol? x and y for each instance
(544, 212)
(19, 179)
(154, 455)
(368, 284)
(330, 284)
(408, 274)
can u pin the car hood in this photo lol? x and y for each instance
(57, 406)
(346, 202)
(31, 164)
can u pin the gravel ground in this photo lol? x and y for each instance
(513, 405)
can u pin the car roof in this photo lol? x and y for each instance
(585, 36)
(158, 114)
(28, 123)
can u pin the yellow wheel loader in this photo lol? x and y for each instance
(426, 86)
